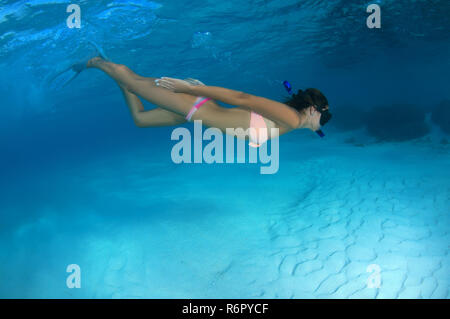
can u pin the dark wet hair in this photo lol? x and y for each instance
(304, 99)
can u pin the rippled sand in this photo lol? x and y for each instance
(139, 226)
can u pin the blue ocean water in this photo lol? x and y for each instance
(361, 213)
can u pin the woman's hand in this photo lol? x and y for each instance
(174, 85)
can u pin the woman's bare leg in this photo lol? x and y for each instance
(152, 118)
(211, 114)
(145, 87)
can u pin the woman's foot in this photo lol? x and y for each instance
(97, 56)
(92, 63)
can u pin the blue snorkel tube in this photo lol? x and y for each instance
(288, 88)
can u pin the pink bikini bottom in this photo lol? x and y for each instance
(258, 127)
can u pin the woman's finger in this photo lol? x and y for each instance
(166, 86)
(163, 83)
(162, 79)
(166, 81)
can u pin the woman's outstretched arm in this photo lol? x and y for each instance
(271, 109)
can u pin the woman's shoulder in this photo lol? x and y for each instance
(273, 124)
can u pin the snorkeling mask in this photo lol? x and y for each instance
(325, 114)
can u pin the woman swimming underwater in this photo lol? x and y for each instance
(180, 101)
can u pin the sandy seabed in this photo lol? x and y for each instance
(140, 226)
